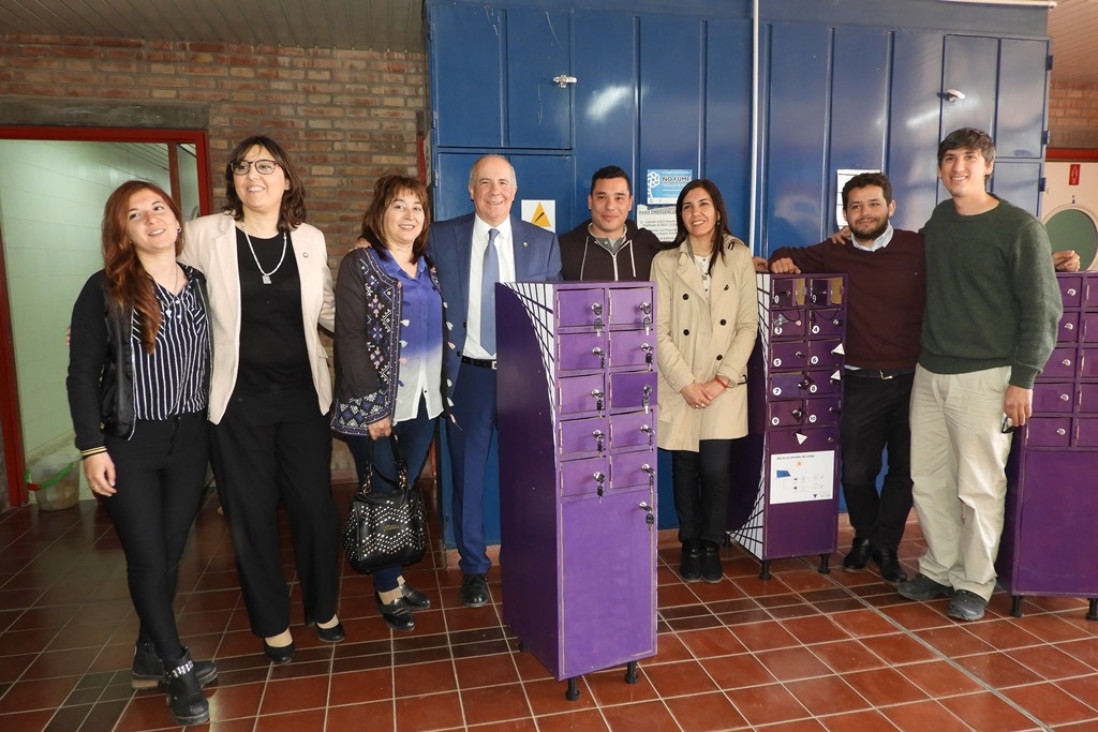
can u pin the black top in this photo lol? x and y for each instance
(272, 333)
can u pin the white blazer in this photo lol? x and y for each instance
(210, 246)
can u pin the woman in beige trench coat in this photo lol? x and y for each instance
(707, 320)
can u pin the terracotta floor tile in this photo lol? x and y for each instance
(1051, 628)
(897, 649)
(792, 663)
(884, 686)
(941, 678)
(846, 656)
(767, 704)
(291, 721)
(669, 648)
(643, 715)
(23, 696)
(733, 672)
(431, 712)
(987, 711)
(674, 595)
(679, 679)
(998, 670)
(919, 615)
(1003, 634)
(1050, 662)
(765, 636)
(864, 721)
(295, 694)
(1084, 688)
(357, 687)
(547, 697)
(511, 725)
(815, 629)
(234, 702)
(711, 642)
(826, 695)
(954, 641)
(705, 712)
(423, 678)
(862, 623)
(1050, 704)
(1085, 650)
(923, 716)
(485, 671)
(610, 687)
(495, 703)
(581, 721)
(365, 717)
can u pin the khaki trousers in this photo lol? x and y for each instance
(958, 457)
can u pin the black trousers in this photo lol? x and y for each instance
(274, 447)
(702, 482)
(159, 477)
(875, 416)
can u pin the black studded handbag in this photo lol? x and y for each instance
(385, 529)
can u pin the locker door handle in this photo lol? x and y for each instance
(564, 80)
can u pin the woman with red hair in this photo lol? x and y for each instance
(138, 383)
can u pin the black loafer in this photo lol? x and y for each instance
(474, 590)
(414, 598)
(334, 634)
(278, 654)
(690, 564)
(711, 569)
(889, 565)
(395, 613)
(858, 558)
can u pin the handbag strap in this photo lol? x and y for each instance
(402, 483)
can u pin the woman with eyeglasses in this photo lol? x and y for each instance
(270, 289)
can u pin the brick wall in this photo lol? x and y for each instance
(344, 116)
(1073, 116)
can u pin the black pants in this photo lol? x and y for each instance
(415, 437)
(271, 447)
(702, 482)
(160, 473)
(875, 416)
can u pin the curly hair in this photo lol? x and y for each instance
(128, 284)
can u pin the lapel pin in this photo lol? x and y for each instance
(525, 244)
(305, 254)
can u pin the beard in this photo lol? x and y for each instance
(869, 234)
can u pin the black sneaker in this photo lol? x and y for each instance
(922, 588)
(148, 672)
(966, 605)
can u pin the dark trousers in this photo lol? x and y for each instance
(415, 437)
(875, 416)
(160, 474)
(702, 482)
(271, 447)
(469, 442)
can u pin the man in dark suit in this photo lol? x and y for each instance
(472, 253)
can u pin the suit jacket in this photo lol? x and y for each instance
(450, 246)
(697, 339)
(210, 246)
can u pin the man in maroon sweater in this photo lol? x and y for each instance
(886, 290)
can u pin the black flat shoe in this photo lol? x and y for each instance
(414, 598)
(889, 565)
(395, 613)
(474, 590)
(858, 557)
(278, 654)
(334, 634)
(690, 565)
(711, 569)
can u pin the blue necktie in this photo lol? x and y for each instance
(488, 278)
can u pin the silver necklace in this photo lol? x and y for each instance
(266, 275)
(173, 293)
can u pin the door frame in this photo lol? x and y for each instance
(11, 424)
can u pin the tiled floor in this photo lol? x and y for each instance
(802, 651)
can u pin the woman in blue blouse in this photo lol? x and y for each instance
(388, 353)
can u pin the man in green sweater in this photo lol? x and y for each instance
(992, 313)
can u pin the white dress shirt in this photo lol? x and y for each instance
(506, 251)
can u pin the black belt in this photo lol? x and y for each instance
(882, 374)
(484, 363)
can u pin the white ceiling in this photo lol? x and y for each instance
(381, 25)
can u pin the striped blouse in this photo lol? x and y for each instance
(172, 379)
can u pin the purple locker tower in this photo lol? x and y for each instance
(577, 447)
(1047, 545)
(786, 484)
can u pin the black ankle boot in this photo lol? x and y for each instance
(185, 697)
(711, 569)
(690, 568)
(148, 671)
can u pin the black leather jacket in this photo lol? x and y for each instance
(100, 380)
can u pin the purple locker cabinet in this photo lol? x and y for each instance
(1047, 545)
(577, 447)
(786, 500)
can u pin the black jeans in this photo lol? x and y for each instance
(875, 416)
(160, 475)
(702, 482)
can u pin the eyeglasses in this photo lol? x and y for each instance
(263, 167)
